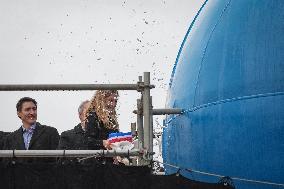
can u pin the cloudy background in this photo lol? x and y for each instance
(87, 41)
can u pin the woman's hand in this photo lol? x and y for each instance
(106, 144)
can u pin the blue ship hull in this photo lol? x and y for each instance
(229, 79)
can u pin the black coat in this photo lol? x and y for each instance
(3, 136)
(92, 139)
(96, 132)
(43, 138)
(73, 139)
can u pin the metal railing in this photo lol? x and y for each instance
(69, 153)
(74, 87)
(144, 113)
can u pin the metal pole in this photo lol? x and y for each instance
(151, 126)
(68, 153)
(133, 129)
(72, 87)
(165, 111)
(146, 111)
(140, 124)
(133, 160)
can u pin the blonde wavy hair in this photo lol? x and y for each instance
(99, 103)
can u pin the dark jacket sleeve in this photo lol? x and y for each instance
(65, 142)
(54, 139)
(94, 132)
(95, 144)
(6, 145)
(3, 137)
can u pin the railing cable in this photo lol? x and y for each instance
(222, 176)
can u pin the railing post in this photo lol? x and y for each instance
(151, 127)
(140, 124)
(134, 134)
(146, 113)
(133, 130)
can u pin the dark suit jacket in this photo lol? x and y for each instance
(2, 140)
(92, 139)
(3, 136)
(73, 139)
(43, 138)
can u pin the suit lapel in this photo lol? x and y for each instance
(20, 139)
(37, 132)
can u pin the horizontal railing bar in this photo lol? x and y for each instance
(69, 153)
(71, 87)
(165, 111)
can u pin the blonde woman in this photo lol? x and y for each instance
(101, 119)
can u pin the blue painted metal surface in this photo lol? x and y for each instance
(229, 77)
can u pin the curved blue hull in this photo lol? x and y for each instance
(229, 78)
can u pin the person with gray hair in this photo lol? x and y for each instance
(82, 109)
(75, 139)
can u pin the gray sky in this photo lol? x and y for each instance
(87, 41)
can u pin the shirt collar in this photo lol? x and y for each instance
(31, 128)
(83, 128)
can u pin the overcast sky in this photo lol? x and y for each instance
(87, 41)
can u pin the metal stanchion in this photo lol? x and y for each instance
(146, 111)
(140, 128)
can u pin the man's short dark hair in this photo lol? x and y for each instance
(22, 100)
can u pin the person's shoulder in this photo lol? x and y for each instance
(15, 132)
(4, 134)
(76, 129)
(68, 132)
(12, 135)
(46, 127)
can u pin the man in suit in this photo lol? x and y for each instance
(31, 135)
(75, 139)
